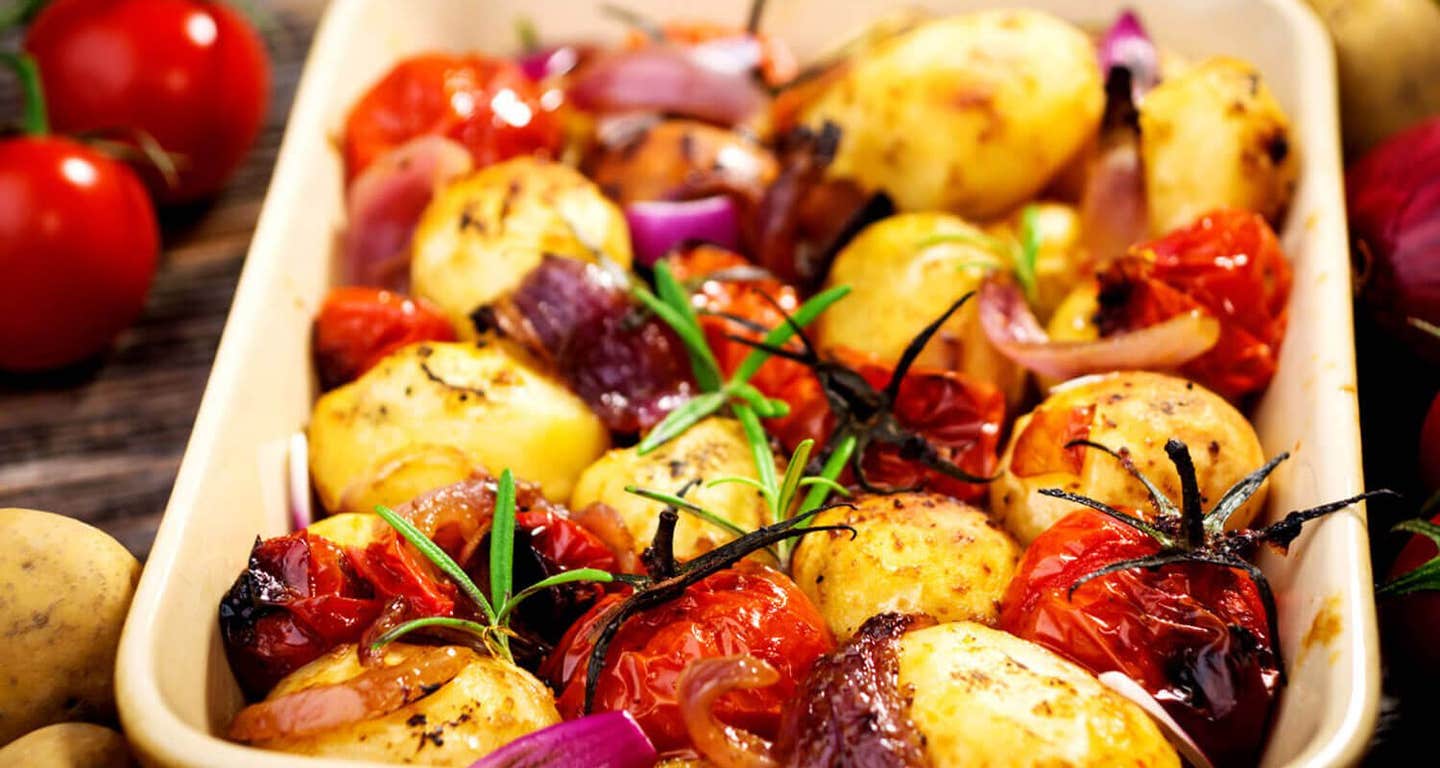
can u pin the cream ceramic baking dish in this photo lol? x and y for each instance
(175, 689)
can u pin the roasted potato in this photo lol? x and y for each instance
(349, 529)
(984, 697)
(68, 745)
(903, 273)
(486, 706)
(432, 413)
(712, 449)
(481, 235)
(912, 553)
(972, 113)
(65, 588)
(1213, 136)
(1135, 412)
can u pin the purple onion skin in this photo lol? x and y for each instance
(606, 740)
(1393, 195)
(1126, 44)
(658, 227)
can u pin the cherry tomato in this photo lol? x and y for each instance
(1229, 264)
(190, 73)
(357, 327)
(78, 247)
(1195, 636)
(748, 609)
(394, 569)
(489, 105)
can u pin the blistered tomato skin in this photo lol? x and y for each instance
(357, 327)
(748, 609)
(1195, 636)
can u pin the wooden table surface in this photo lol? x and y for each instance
(102, 442)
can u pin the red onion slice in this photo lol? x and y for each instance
(302, 512)
(702, 683)
(607, 740)
(549, 62)
(1126, 686)
(1126, 44)
(656, 226)
(1012, 328)
(671, 80)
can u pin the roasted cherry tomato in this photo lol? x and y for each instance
(1195, 636)
(489, 105)
(299, 597)
(1229, 264)
(394, 569)
(749, 609)
(190, 73)
(357, 327)
(78, 247)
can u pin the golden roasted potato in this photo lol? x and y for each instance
(475, 406)
(486, 706)
(1135, 412)
(712, 449)
(1060, 259)
(972, 113)
(481, 235)
(903, 273)
(349, 529)
(984, 697)
(65, 588)
(912, 553)
(68, 745)
(1213, 136)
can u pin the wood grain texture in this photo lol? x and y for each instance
(102, 441)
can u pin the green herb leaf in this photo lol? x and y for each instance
(436, 555)
(702, 360)
(528, 35)
(794, 472)
(675, 423)
(760, 452)
(778, 336)
(34, 118)
(690, 507)
(707, 370)
(1430, 328)
(479, 630)
(834, 465)
(736, 479)
(1029, 252)
(564, 577)
(502, 541)
(826, 482)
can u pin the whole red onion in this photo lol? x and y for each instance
(1393, 195)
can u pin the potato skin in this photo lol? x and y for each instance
(68, 745)
(712, 449)
(912, 553)
(899, 285)
(65, 589)
(973, 113)
(984, 697)
(1137, 411)
(488, 705)
(1213, 136)
(481, 235)
(475, 406)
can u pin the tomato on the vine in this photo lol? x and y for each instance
(1227, 264)
(489, 105)
(748, 609)
(192, 74)
(1196, 636)
(357, 327)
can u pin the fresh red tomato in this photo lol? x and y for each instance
(1195, 636)
(78, 247)
(1228, 264)
(357, 327)
(489, 105)
(748, 609)
(193, 74)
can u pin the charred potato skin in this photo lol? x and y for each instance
(911, 553)
(712, 449)
(486, 706)
(1214, 136)
(1136, 412)
(983, 697)
(480, 236)
(971, 113)
(480, 406)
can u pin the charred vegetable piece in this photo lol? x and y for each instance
(357, 327)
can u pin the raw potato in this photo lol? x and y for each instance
(973, 113)
(1138, 412)
(912, 553)
(474, 406)
(1213, 136)
(983, 697)
(68, 745)
(712, 449)
(488, 705)
(65, 588)
(480, 236)
(903, 273)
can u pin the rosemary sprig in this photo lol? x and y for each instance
(1021, 252)
(1426, 577)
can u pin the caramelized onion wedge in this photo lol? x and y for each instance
(1126, 686)
(1013, 330)
(701, 684)
(419, 672)
(668, 79)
